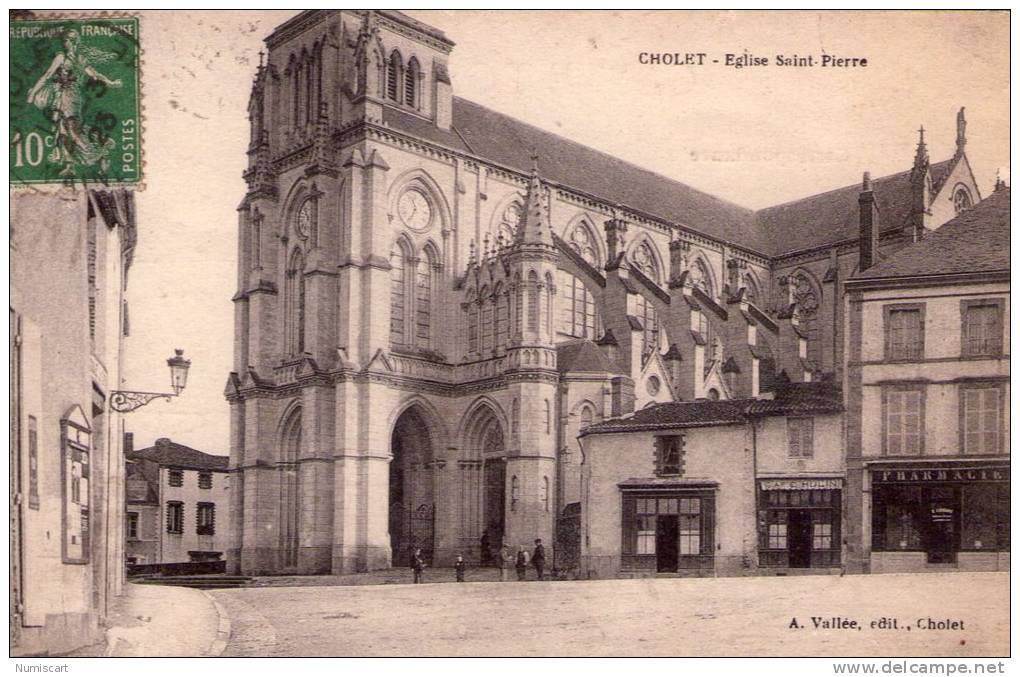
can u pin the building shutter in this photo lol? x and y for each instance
(629, 525)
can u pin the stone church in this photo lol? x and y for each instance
(434, 299)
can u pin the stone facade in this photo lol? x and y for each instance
(69, 259)
(927, 420)
(426, 318)
(178, 506)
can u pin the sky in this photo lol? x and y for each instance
(756, 136)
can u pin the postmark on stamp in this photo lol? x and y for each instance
(75, 110)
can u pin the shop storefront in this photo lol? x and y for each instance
(945, 514)
(668, 529)
(799, 522)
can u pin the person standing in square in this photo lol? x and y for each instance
(418, 565)
(538, 559)
(459, 566)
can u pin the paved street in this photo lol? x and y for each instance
(649, 617)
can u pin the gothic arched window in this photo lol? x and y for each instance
(394, 70)
(411, 83)
(578, 315)
(256, 239)
(545, 493)
(399, 262)
(487, 334)
(423, 299)
(582, 241)
(961, 199)
(650, 324)
(502, 317)
(472, 312)
(702, 279)
(509, 220)
(587, 416)
(550, 290)
(295, 304)
(808, 297)
(644, 259)
(533, 309)
(515, 493)
(518, 309)
(290, 448)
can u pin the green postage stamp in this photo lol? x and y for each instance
(74, 98)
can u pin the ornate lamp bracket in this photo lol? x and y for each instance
(129, 400)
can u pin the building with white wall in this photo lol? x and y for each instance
(70, 253)
(178, 506)
(927, 380)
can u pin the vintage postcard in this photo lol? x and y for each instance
(348, 332)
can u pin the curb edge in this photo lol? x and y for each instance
(219, 645)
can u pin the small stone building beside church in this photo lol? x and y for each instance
(434, 300)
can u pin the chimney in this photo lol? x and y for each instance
(869, 226)
(129, 444)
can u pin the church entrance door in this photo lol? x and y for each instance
(412, 501)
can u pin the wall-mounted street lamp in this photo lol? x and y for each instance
(129, 400)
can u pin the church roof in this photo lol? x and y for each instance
(833, 216)
(169, 453)
(583, 355)
(976, 241)
(813, 221)
(501, 139)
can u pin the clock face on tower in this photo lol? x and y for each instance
(414, 210)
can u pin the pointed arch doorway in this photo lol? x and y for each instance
(412, 490)
(491, 446)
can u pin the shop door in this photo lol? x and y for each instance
(667, 531)
(799, 536)
(943, 534)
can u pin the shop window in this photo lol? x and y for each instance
(668, 532)
(800, 433)
(175, 478)
(690, 526)
(981, 331)
(799, 528)
(646, 512)
(897, 518)
(132, 526)
(174, 517)
(903, 421)
(777, 530)
(980, 419)
(205, 522)
(821, 533)
(669, 455)
(904, 332)
(205, 480)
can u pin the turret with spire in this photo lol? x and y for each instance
(920, 189)
(535, 230)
